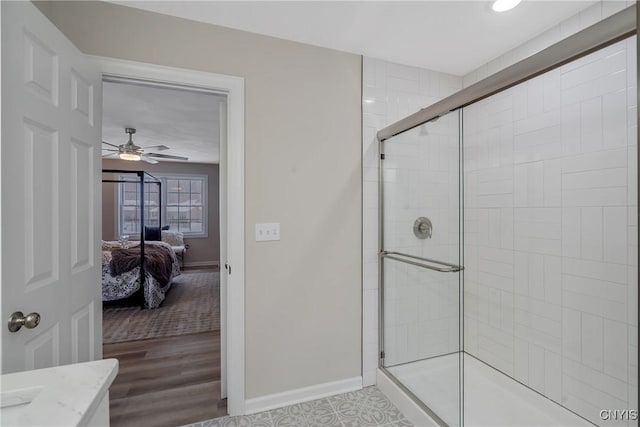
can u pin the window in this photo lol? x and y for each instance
(130, 207)
(183, 208)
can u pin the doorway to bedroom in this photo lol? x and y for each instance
(161, 203)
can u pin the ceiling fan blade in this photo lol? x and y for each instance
(109, 149)
(156, 148)
(166, 156)
(148, 160)
(109, 155)
(108, 143)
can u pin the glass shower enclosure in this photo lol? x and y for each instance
(421, 263)
(508, 258)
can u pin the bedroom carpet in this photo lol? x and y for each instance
(191, 306)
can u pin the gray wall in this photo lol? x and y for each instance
(200, 249)
(303, 169)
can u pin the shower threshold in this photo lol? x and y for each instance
(491, 398)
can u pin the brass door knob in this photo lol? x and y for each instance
(18, 320)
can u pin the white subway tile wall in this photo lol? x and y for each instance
(391, 92)
(551, 248)
(550, 231)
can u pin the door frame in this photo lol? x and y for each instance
(233, 88)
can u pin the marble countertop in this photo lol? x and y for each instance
(63, 395)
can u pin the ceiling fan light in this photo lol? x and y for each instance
(129, 156)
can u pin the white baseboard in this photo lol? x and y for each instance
(202, 264)
(408, 407)
(305, 394)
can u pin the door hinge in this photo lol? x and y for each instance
(381, 156)
(382, 355)
(228, 268)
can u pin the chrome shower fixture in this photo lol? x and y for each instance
(422, 228)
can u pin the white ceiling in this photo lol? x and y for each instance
(449, 36)
(185, 121)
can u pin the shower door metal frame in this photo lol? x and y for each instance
(608, 31)
(382, 255)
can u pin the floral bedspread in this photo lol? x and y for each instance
(126, 284)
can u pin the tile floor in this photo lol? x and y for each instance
(366, 407)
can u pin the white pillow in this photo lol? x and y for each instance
(108, 245)
(173, 238)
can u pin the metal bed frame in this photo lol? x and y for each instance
(142, 179)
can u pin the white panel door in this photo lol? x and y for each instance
(50, 193)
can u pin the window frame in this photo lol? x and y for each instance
(164, 177)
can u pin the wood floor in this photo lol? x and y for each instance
(168, 381)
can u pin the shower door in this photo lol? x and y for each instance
(420, 264)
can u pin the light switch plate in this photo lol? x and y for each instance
(267, 231)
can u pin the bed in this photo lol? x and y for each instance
(122, 279)
(140, 271)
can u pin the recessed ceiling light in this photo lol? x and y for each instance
(504, 5)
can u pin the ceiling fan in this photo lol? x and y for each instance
(130, 151)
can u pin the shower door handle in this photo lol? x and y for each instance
(446, 267)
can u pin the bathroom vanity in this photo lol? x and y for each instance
(70, 395)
